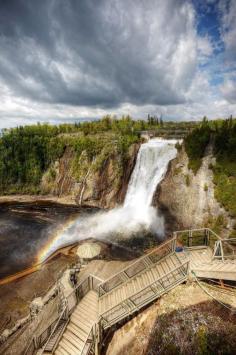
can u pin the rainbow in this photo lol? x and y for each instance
(51, 246)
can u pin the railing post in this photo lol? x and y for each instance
(174, 243)
(208, 236)
(222, 251)
(35, 342)
(96, 338)
(90, 281)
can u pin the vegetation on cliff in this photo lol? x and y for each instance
(201, 329)
(195, 144)
(222, 134)
(225, 167)
(26, 153)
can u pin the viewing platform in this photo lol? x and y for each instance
(99, 305)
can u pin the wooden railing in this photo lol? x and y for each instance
(31, 348)
(205, 237)
(138, 300)
(137, 266)
(91, 282)
(90, 342)
(225, 249)
(200, 237)
(46, 336)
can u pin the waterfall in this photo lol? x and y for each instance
(136, 214)
(152, 162)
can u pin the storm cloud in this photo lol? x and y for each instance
(97, 52)
(99, 56)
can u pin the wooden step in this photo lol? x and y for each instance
(89, 315)
(61, 351)
(67, 346)
(85, 308)
(54, 338)
(89, 303)
(75, 341)
(78, 331)
(82, 324)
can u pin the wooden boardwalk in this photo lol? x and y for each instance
(101, 305)
(209, 256)
(203, 266)
(141, 289)
(78, 334)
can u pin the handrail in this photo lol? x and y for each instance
(82, 281)
(197, 230)
(138, 260)
(26, 352)
(85, 342)
(64, 309)
(157, 280)
(229, 240)
(219, 242)
(55, 327)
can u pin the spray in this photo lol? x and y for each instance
(136, 214)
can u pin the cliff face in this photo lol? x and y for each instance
(190, 198)
(101, 182)
(186, 200)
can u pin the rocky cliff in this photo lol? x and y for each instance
(100, 182)
(190, 198)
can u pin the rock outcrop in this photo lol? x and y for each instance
(101, 182)
(188, 197)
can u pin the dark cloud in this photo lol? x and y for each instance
(98, 52)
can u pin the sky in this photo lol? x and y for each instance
(75, 60)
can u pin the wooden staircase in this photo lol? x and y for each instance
(78, 335)
(140, 290)
(54, 339)
(103, 304)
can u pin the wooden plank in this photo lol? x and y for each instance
(61, 351)
(74, 340)
(77, 331)
(82, 323)
(71, 349)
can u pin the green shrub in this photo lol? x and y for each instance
(195, 144)
(187, 180)
(201, 339)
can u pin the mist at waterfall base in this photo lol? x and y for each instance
(137, 213)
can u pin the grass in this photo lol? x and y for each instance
(217, 224)
(195, 164)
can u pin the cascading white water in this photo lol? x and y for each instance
(137, 213)
(152, 162)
